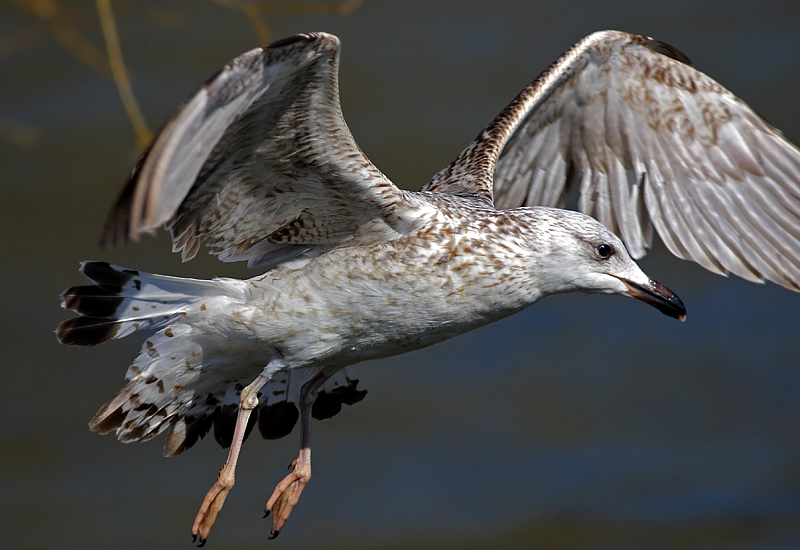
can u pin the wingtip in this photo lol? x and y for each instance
(306, 38)
(659, 46)
(117, 228)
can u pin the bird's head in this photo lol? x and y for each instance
(582, 255)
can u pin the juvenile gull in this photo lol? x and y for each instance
(260, 165)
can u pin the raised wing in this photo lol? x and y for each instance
(260, 165)
(650, 140)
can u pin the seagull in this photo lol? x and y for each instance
(260, 166)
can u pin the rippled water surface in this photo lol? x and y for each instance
(581, 423)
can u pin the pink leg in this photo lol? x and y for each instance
(287, 493)
(215, 498)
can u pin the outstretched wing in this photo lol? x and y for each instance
(260, 165)
(650, 140)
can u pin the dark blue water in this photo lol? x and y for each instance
(586, 422)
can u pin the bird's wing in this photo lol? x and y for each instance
(260, 165)
(648, 139)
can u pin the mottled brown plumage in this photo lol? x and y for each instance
(260, 165)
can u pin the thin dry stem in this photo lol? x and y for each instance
(143, 134)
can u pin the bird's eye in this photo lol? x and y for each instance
(605, 250)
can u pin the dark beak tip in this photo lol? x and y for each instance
(672, 306)
(679, 316)
(681, 313)
(658, 296)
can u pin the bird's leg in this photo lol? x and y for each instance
(215, 498)
(287, 493)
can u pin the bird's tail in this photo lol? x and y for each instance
(185, 379)
(122, 301)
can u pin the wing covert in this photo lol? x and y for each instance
(648, 141)
(260, 165)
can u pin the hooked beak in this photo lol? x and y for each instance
(658, 296)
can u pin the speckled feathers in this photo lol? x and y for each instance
(260, 166)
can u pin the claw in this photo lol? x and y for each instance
(266, 513)
(202, 543)
(194, 538)
(287, 493)
(273, 535)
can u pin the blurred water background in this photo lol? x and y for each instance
(581, 423)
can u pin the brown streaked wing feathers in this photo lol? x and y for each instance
(260, 165)
(651, 142)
